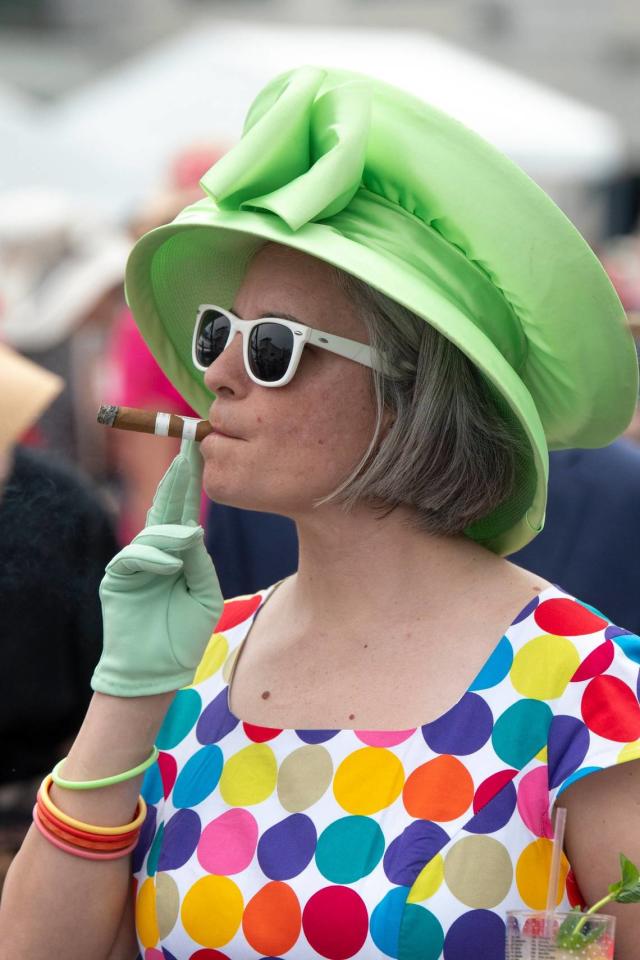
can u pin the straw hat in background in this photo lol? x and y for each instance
(27, 390)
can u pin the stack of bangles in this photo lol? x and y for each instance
(85, 839)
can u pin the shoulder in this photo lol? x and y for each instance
(586, 669)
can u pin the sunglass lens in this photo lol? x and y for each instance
(211, 339)
(270, 349)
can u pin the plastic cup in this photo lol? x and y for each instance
(539, 935)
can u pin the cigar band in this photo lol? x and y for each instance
(162, 424)
(189, 428)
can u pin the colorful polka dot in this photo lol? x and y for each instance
(237, 611)
(216, 720)
(521, 731)
(610, 709)
(146, 920)
(494, 806)
(212, 928)
(207, 954)
(544, 666)
(428, 880)
(180, 718)
(304, 777)
(316, 736)
(421, 935)
(532, 873)
(441, 789)
(229, 663)
(167, 904)
(416, 846)
(198, 778)
(260, 734)
(567, 618)
(568, 745)
(477, 934)
(496, 668)
(595, 662)
(533, 802)
(630, 644)
(287, 847)
(228, 843)
(168, 769)
(181, 835)
(249, 776)
(272, 919)
(386, 919)
(335, 922)
(213, 658)
(384, 738)
(368, 780)
(478, 871)
(462, 730)
(630, 751)
(151, 788)
(145, 838)
(154, 852)
(349, 849)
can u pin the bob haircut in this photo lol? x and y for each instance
(449, 453)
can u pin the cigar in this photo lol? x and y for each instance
(150, 421)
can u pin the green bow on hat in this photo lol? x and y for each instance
(364, 176)
(299, 157)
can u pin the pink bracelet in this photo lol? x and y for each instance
(77, 851)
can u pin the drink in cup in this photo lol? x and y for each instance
(540, 935)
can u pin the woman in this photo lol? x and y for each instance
(366, 762)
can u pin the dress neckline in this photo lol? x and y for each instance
(318, 735)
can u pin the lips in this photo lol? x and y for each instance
(223, 433)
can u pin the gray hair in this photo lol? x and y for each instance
(452, 452)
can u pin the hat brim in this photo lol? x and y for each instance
(203, 258)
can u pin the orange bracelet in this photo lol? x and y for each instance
(85, 841)
(78, 851)
(92, 829)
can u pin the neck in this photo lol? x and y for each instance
(350, 562)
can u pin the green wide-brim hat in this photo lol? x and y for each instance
(374, 181)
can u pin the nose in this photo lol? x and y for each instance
(226, 376)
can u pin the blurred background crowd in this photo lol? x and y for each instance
(109, 116)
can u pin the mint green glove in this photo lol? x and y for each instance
(160, 595)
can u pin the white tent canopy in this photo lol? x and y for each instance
(124, 129)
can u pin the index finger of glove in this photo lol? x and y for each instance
(190, 450)
(168, 502)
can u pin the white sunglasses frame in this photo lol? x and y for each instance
(350, 349)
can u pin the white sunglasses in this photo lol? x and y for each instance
(272, 346)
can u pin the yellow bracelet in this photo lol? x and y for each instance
(89, 827)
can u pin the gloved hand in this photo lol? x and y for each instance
(160, 595)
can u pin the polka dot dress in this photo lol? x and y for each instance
(412, 844)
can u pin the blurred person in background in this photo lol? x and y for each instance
(387, 324)
(264, 546)
(61, 286)
(55, 541)
(131, 375)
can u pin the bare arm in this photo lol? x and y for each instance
(603, 820)
(81, 906)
